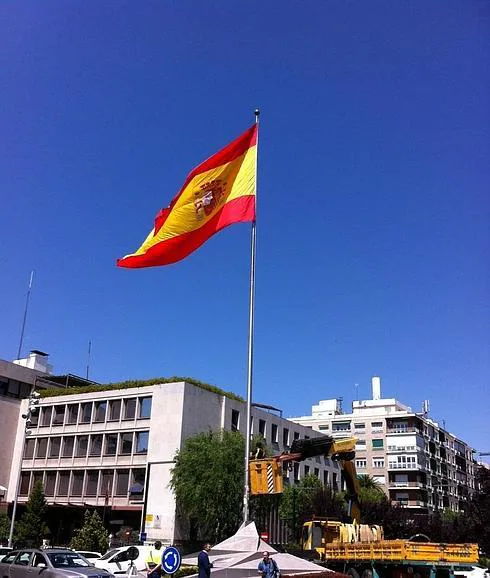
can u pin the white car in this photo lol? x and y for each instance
(471, 572)
(89, 555)
(116, 560)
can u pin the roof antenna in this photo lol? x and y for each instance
(88, 356)
(25, 316)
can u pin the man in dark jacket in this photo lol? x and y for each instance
(203, 563)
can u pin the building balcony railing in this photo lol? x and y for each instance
(410, 503)
(404, 449)
(402, 430)
(393, 484)
(398, 466)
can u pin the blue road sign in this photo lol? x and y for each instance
(142, 536)
(171, 560)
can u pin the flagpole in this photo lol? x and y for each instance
(251, 316)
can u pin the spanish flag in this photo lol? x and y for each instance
(217, 193)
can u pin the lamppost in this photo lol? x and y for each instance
(31, 408)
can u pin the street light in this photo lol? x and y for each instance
(31, 408)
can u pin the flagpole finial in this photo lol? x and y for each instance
(257, 113)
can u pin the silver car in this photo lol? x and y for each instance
(50, 563)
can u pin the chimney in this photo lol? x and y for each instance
(376, 385)
(37, 360)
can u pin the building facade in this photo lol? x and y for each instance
(115, 449)
(418, 463)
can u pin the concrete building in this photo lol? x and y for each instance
(115, 449)
(17, 380)
(418, 463)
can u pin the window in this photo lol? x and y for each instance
(130, 408)
(29, 449)
(325, 477)
(100, 408)
(307, 470)
(23, 559)
(142, 442)
(317, 472)
(360, 445)
(296, 435)
(54, 448)
(274, 433)
(106, 478)
(122, 482)
(25, 480)
(115, 410)
(137, 486)
(34, 416)
(262, 427)
(376, 424)
(46, 416)
(378, 463)
(63, 483)
(50, 483)
(285, 437)
(380, 479)
(341, 426)
(42, 446)
(58, 414)
(82, 446)
(296, 471)
(235, 420)
(361, 464)
(91, 483)
(77, 483)
(85, 413)
(110, 445)
(335, 485)
(377, 444)
(95, 445)
(68, 443)
(358, 426)
(72, 414)
(37, 560)
(126, 445)
(145, 407)
(324, 427)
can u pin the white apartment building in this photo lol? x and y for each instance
(418, 463)
(115, 448)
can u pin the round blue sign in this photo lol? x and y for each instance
(171, 560)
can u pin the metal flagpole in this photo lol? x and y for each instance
(250, 337)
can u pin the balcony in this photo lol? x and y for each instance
(394, 485)
(403, 449)
(402, 430)
(410, 503)
(398, 466)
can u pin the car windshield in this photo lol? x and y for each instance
(109, 554)
(67, 560)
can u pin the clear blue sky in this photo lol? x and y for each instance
(374, 210)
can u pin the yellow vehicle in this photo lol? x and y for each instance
(358, 549)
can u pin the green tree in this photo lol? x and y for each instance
(207, 481)
(92, 536)
(32, 527)
(4, 527)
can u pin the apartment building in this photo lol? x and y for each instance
(115, 449)
(418, 463)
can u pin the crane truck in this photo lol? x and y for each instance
(352, 547)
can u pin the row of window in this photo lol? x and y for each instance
(93, 412)
(88, 483)
(13, 388)
(377, 463)
(109, 444)
(262, 430)
(345, 426)
(376, 444)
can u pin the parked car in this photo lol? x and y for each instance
(89, 555)
(117, 561)
(52, 563)
(4, 550)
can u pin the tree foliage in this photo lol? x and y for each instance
(207, 481)
(32, 527)
(92, 536)
(4, 527)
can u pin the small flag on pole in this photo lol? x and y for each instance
(216, 194)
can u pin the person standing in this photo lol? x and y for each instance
(153, 561)
(203, 563)
(268, 567)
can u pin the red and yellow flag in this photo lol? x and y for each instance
(217, 193)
